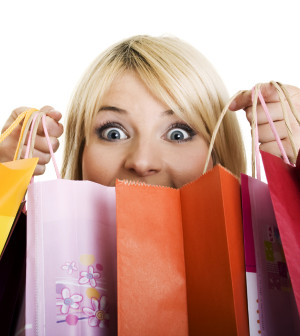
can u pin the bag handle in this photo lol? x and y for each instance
(217, 127)
(32, 136)
(282, 93)
(25, 133)
(26, 115)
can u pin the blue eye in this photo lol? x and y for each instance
(180, 133)
(177, 135)
(111, 132)
(114, 134)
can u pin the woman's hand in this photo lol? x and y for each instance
(41, 150)
(266, 137)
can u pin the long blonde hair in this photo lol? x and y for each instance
(178, 75)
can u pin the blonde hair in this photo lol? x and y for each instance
(178, 75)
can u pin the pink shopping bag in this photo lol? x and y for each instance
(276, 303)
(250, 263)
(71, 258)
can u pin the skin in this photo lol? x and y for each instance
(242, 102)
(147, 149)
(266, 136)
(41, 150)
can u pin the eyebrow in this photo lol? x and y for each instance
(112, 108)
(119, 110)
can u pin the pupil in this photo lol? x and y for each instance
(113, 135)
(177, 136)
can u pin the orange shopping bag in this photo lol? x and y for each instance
(180, 258)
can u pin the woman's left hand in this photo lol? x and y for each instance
(266, 136)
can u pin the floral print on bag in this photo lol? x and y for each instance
(98, 315)
(80, 293)
(89, 277)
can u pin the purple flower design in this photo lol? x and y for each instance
(89, 276)
(98, 316)
(70, 267)
(68, 301)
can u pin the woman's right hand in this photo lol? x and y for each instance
(41, 150)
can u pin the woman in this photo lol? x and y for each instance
(145, 110)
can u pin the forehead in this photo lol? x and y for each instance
(128, 89)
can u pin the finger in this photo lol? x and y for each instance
(16, 112)
(39, 170)
(272, 148)
(50, 111)
(275, 111)
(55, 115)
(44, 158)
(54, 128)
(13, 116)
(265, 133)
(41, 144)
(244, 100)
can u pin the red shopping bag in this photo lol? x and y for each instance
(180, 260)
(284, 185)
(268, 278)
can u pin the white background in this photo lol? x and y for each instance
(45, 46)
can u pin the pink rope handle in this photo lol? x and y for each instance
(48, 142)
(30, 137)
(257, 156)
(273, 128)
(50, 147)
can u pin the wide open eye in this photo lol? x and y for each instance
(111, 132)
(180, 133)
(177, 134)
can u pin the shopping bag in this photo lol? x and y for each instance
(15, 177)
(266, 269)
(12, 280)
(283, 179)
(284, 185)
(71, 259)
(180, 258)
(277, 308)
(250, 263)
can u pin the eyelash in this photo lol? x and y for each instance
(184, 127)
(109, 124)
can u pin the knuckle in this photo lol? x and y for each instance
(40, 170)
(46, 108)
(20, 109)
(55, 144)
(44, 158)
(249, 114)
